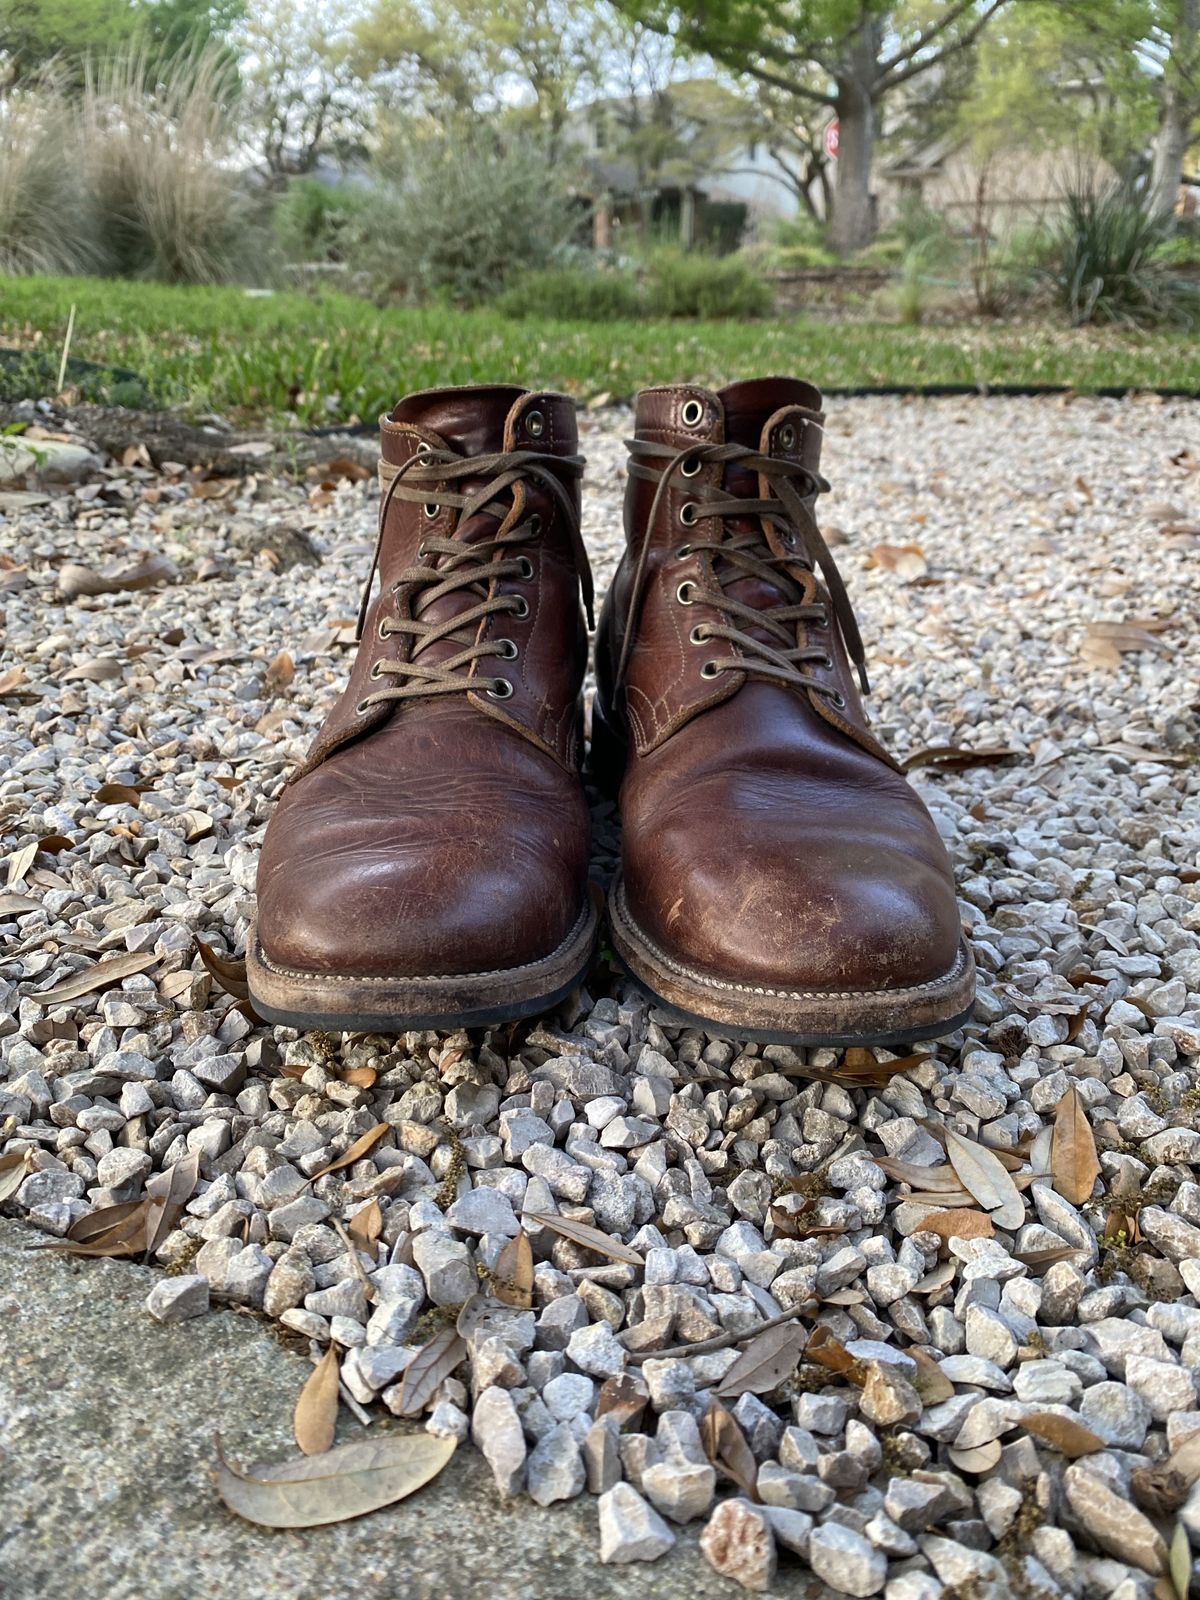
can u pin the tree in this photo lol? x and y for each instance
(1172, 43)
(34, 33)
(847, 56)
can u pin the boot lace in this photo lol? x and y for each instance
(787, 538)
(473, 570)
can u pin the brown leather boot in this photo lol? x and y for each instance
(780, 879)
(427, 866)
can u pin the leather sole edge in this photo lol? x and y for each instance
(802, 1018)
(357, 1004)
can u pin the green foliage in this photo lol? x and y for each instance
(573, 294)
(1108, 263)
(683, 284)
(469, 217)
(313, 221)
(800, 243)
(70, 33)
(44, 220)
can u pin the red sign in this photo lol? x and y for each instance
(831, 139)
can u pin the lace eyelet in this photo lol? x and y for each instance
(431, 510)
(362, 708)
(507, 650)
(375, 673)
(535, 424)
(526, 567)
(684, 593)
(789, 539)
(822, 621)
(691, 467)
(826, 662)
(500, 689)
(535, 524)
(710, 669)
(422, 551)
(687, 513)
(787, 437)
(837, 700)
(424, 449)
(382, 631)
(683, 552)
(521, 607)
(692, 413)
(699, 634)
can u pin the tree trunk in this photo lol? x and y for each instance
(854, 209)
(1174, 127)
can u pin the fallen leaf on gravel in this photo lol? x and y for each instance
(210, 488)
(102, 669)
(1073, 1159)
(907, 561)
(121, 794)
(589, 1238)
(315, 1421)
(345, 468)
(930, 1382)
(1104, 643)
(953, 758)
(15, 1167)
(1039, 1260)
(16, 905)
(229, 971)
(334, 1486)
(959, 1224)
(864, 1067)
(97, 977)
(765, 1362)
(118, 1230)
(1070, 1438)
(829, 1352)
(75, 580)
(429, 1369)
(725, 1446)
(360, 1077)
(280, 673)
(934, 1178)
(20, 862)
(51, 843)
(357, 1150)
(624, 1397)
(1179, 1562)
(167, 1193)
(366, 1225)
(512, 1279)
(12, 679)
(987, 1179)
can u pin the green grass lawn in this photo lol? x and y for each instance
(327, 358)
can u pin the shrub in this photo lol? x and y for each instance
(44, 223)
(467, 217)
(573, 294)
(313, 221)
(800, 243)
(152, 148)
(1109, 264)
(679, 284)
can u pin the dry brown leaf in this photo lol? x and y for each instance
(942, 1177)
(12, 680)
(725, 1446)
(953, 758)
(512, 1280)
(956, 1224)
(343, 467)
(75, 580)
(907, 561)
(118, 1230)
(334, 1486)
(53, 844)
(121, 794)
(16, 905)
(864, 1067)
(1039, 1260)
(357, 1150)
(97, 977)
(1071, 1438)
(590, 1238)
(360, 1077)
(280, 673)
(20, 862)
(229, 971)
(987, 1178)
(930, 1382)
(765, 1362)
(315, 1419)
(1073, 1159)
(1104, 643)
(99, 669)
(166, 1195)
(429, 1369)
(15, 1167)
(366, 1225)
(829, 1352)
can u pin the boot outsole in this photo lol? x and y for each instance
(351, 1004)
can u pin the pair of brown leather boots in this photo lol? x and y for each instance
(428, 865)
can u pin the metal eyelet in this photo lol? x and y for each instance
(710, 669)
(787, 437)
(507, 650)
(789, 539)
(687, 513)
(362, 708)
(382, 631)
(424, 449)
(838, 700)
(683, 552)
(526, 567)
(535, 424)
(535, 524)
(692, 413)
(684, 593)
(375, 673)
(699, 634)
(691, 467)
(501, 689)
(521, 608)
(422, 552)
(826, 662)
(431, 510)
(822, 621)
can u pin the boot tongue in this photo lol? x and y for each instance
(470, 420)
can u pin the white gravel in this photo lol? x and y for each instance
(1039, 524)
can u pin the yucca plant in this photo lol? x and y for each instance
(44, 221)
(156, 146)
(1108, 261)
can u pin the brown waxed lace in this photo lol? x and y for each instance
(452, 566)
(789, 510)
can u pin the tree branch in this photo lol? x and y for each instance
(889, 79)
